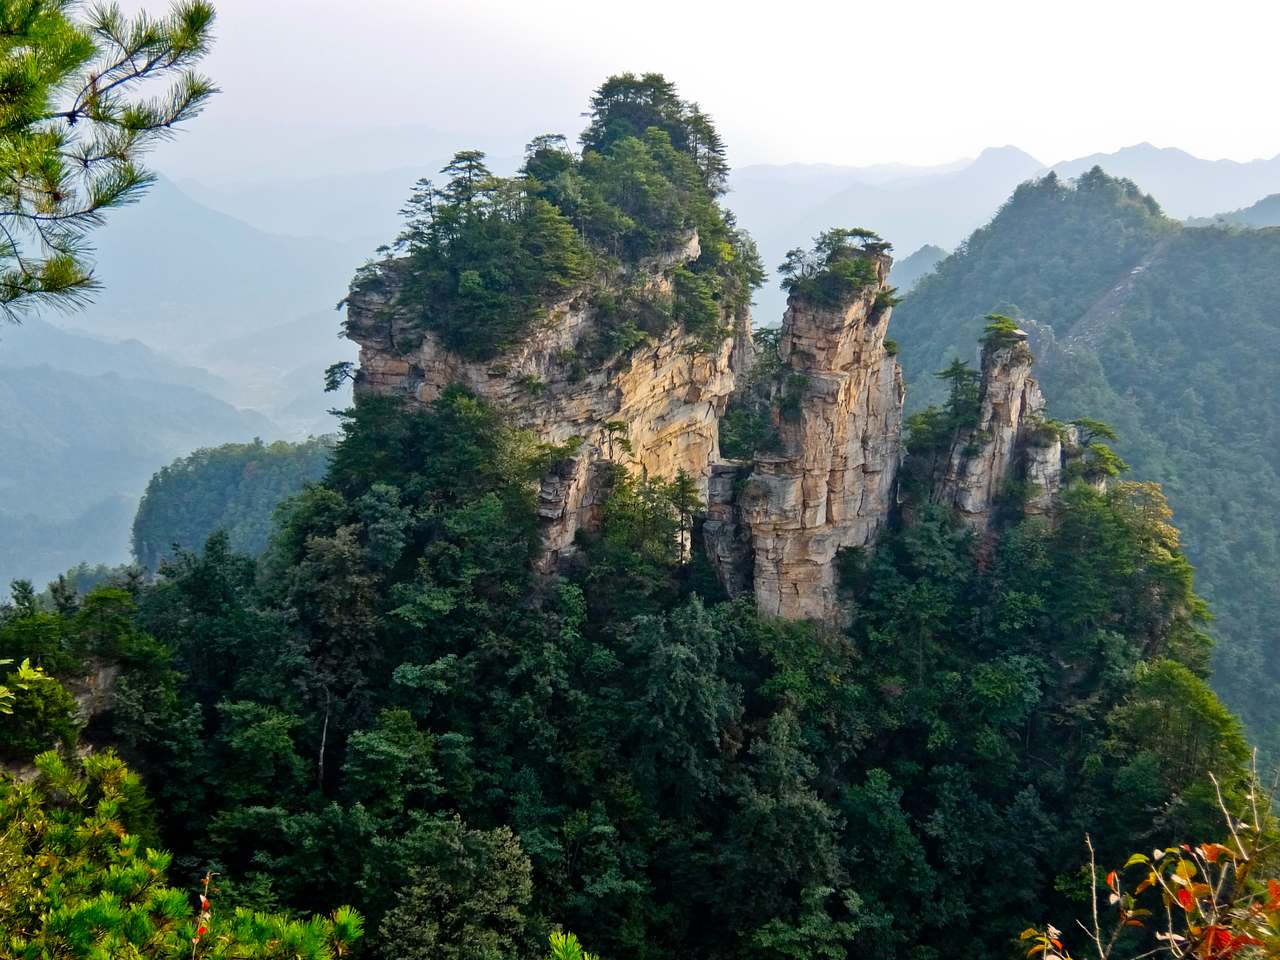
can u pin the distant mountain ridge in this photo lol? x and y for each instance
(1185, 185)
(1264, 213)
(1172, 334)
(908, 271)
(37, 342)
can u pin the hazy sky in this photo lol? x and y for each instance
(789, 80)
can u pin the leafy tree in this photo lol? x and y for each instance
(236, 487)
(1001, 331)
(76, 881)
(841, 265)
(1211, 900)
(484, 255)
(465, 898)
(76, 126)
(487, 256)
(36, 713)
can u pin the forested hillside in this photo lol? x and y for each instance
(1170, 333)
(234, 488)
(394, 708)
(78, 452)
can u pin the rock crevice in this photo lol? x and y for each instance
(1008, 442)
(655, 411)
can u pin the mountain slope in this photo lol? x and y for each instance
(70, 440)
(1185, 185)
(178, 275)
(908, 271)
(1264, 213)
(1171, 334)
(38, 343)
(939, 207)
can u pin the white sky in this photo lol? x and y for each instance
(917, 81)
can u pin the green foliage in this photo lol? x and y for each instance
(236, 487)
(842, 264)
(77, 881)
(1179, 367)
(626, 106)
(484, 255)
(487, 256)
(1053, 249)
(76, 124)
(466, 897)
(388, 707)
(36, 713)
(1000, 332)
(565, 946)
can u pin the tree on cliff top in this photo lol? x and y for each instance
(840, 265)
(487, 255)
(626, 106)
(74, 126)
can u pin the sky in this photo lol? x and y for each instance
(327, 84)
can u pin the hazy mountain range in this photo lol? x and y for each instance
(217, 315)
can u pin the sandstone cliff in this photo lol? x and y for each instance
(1007, 442)
(655, 411)
(775, 525)
(831, 485)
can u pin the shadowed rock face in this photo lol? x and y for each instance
(775, 525)
(668, 395)
(1006, 443)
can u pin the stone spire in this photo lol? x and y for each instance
(838, 414)
(1008, 442)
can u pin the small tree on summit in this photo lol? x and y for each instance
(73, 129)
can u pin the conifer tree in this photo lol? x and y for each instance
(74, 126)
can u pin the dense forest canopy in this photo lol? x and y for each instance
(1170, 334)
(390, 732)
(388, 709)
(487, 255)
(234, 488)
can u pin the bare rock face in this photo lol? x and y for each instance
(668, 395)
(1009, 441)
(839, 417)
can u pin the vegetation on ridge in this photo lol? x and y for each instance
(388, 709)
(1178, 354)
(487, 255)
(235, 488)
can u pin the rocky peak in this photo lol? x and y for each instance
(778, 522)
(655, 411)
(1007, 441)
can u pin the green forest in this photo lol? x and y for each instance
(234, 488)
(388, 711)
(485, 256)
(1169, 334)
(338, 709)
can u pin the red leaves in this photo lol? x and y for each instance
(1273, 896)
(1185, 899)
(1220, 943)
(1112, 882)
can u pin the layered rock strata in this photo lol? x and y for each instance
(838, 414)
(656, 412)
(1009, 441)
